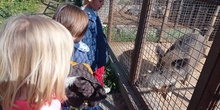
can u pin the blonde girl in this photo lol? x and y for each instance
(34, 62)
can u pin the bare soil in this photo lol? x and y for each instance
(181, 95)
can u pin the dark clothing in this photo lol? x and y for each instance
(82, 89)
(96, 40)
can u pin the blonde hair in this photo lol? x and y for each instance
(35, 57)
(73, 18)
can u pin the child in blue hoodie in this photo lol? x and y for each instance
(96, 40)
(76, 21)
(85, 91)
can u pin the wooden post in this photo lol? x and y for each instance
(179, 14)
(205, 91)
(204, 18)
(212, 23)
(191, 16)
(136, 57)
(165, 20)
(197, 16)
(210, 28)
(110, 19)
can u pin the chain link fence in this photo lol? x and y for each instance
(162, 45)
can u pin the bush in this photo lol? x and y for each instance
(14, 7)
(110, 79)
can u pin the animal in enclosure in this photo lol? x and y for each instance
(177, 63)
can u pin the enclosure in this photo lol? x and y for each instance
(184, 73)
(165, 52)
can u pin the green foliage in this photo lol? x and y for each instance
(129, 35)
(123, 35)
(12, 7)
(152, 35)
(174, 34)
(110, 79)
(73, 108)
(120, 35)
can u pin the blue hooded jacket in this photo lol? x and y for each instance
(96, 40)
(80, 53)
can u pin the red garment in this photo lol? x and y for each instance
(99, 75)
(22, 105)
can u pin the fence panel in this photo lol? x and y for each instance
(218, 106)
(170, 73)
(172, 49)
(124, 28)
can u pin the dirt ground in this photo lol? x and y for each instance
(181, 95)
(114, 101)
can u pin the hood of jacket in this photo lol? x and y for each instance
(81, 46)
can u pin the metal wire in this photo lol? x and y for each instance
(166, 26)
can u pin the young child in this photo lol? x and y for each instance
(34, 63)
(96, 40)
(84, 91)
(76, 21)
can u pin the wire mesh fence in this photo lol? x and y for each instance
(177, 36)
(125, 15)
(218, 106)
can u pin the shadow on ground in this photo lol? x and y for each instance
(114, 101)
